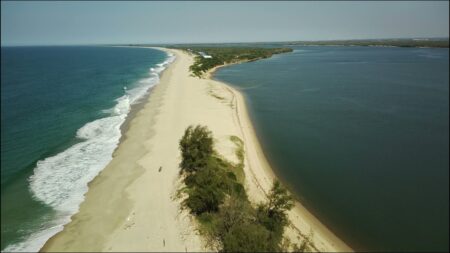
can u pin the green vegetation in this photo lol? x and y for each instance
(196, 148)
(239, 167)
(398, 42)
(442, 43)
(228, 55)
(217, 198)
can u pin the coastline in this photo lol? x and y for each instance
(119, 212)
(262, 175)
(107, 198)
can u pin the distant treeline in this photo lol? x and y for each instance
(215, 195)
(441, 43)
(227, 55)
(424, 42)
(402, 42)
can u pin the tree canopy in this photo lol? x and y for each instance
(219, 200)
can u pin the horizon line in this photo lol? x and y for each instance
(243, 42)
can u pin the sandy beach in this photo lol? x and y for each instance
(132, 206)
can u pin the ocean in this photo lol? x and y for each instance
(61, 114)
(361, 136)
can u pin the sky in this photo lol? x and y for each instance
(79, 23)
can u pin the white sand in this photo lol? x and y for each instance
(131, 206)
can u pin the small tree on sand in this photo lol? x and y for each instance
(280, 200)
(273, 213)
(196, 148)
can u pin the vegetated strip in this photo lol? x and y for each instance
(209, 57)
(214, 193)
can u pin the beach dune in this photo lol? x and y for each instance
(132, 205)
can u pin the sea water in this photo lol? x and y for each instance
(61, 114)
(361, 136)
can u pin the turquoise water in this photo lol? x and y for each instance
(361, 135)
(61, 111)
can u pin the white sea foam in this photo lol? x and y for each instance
(61, 181)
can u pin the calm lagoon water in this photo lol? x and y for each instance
(61, 111)
(361, 135)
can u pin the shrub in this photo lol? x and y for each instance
(248, 237)
(207, 191)
(219, 200)
(204, 199)
(280, 200)
(196, 148)
(273, 213)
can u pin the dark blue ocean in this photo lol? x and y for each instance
(361, 136)
(61, 112)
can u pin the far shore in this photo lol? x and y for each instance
(132, 205)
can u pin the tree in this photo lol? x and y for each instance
(249, 237)
(207, 190)
(204, 199)
(234, 212)
(196, 147)
(219, 200)
(273, 213)
(280, 200)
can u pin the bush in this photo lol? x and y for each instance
(204, 199)
(196, 148)
(220, 202)
(207, 191)
(274, 224)
(280, 200)
(273, 213)
(232, 213)
(248, 237)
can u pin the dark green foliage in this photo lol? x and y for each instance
(204, 199)
(234, 212)
(196, 148)
(238, 230)
(249, 237)
(226, 55)
(202, 65)
(207, 191)
(280, 200)
(274, 223)
(220, 202)
(209, 178)
(273, 213)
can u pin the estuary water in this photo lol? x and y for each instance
(361, 136)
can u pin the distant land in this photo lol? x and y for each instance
(402, 42)
(422, 42)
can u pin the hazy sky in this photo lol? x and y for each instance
(40, 23)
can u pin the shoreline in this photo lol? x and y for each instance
(118, 212)
(263, 178)
(270, 172)
(147, 107)
(136, 107)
